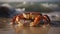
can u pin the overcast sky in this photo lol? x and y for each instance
(26, 0)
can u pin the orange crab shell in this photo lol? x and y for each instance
(36, 21)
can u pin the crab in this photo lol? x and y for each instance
(33, 19)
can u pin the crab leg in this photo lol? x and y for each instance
(36, 21)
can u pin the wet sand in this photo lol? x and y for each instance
(6, 28)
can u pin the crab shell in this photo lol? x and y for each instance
(36, 19)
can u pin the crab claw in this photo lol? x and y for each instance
(31, 24)
(46, 19)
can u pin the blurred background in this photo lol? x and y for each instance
(49, 7)
(14, 7)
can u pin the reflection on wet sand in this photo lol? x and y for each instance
(7, 29)
(31, 30)
(4, 24)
